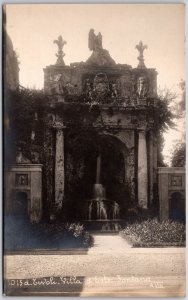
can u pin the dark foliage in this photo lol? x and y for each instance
(164, 118)
(21, 107)
(22, 235)
(178, 156)
(23, 112)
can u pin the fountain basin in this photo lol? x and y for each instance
(104, 225)
(102, 209)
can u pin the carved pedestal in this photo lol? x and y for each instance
(24, 179)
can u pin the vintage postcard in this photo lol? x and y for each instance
(94, 150)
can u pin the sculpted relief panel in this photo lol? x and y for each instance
(61, 85)
(126, 86)
(77, 84)
(100, 87)
(99, 79)
(106, 88)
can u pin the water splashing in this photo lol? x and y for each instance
(100, 208)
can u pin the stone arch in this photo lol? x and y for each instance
(117, 138)
(177, 206)
(114, 175)
(20, 204)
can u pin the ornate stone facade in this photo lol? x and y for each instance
(94, 105)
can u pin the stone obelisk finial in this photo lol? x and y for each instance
(60, 43)
(141, 47)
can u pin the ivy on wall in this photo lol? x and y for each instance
(25, 112)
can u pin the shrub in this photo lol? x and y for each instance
(151, 233)
(24, 235)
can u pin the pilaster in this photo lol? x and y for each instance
(59, 168)
(142, 170)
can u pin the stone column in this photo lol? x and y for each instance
(142, 170)
(154, 158)
(151, 166)
(59, 168)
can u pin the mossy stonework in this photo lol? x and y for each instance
(91, 110)
(100, 106)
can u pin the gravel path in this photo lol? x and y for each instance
(108, 243)
(110, 257)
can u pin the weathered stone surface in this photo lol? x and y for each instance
(105, 99)
(150, 167)
(142, 170)
(59, 169)
(141, 47)
(171, 181)
(49, 162)
(60, 43)
(77, 84)
(26, 179)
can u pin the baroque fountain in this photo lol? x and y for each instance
(102, 213)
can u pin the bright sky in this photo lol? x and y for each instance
(33, 27)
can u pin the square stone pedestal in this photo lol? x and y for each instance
(26, 179)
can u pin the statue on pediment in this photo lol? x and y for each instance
(100, 56)
(94, 41)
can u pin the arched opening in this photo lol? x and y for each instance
(177, 207)
(93, 159)
(17, 222)
(20, 205)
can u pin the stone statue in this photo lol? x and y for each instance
(100, 56)
(141, 47)
(58, 88)
(35, 157)
(20, 158)
(114, 92)
(101, 211)
(60, 43)
(32, 135)
(95, 41)
(89, 89)
(116, 210)
(142, 87)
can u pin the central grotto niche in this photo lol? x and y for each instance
(96, 177)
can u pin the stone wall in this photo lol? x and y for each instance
(171, 187)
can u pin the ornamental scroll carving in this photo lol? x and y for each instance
(101, 89)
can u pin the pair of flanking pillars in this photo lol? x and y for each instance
(142, 169)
